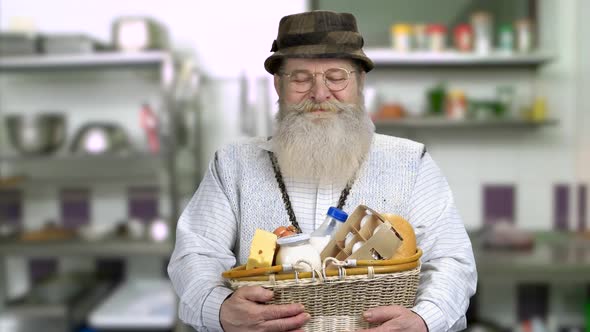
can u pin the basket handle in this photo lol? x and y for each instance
(340, 264)
(297, 267)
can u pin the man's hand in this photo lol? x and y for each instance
(244, 311)
(394, 318)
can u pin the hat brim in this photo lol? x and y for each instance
(272, 63)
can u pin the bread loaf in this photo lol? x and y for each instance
(405, 229)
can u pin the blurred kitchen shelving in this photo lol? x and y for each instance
(80, 247)
(88, 166)
(162, 60)
(554, 256)
(160, 167)
(102, 59)
(443, 123)
(66, 157)
(387, 57)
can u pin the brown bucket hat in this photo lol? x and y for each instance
(318, 34)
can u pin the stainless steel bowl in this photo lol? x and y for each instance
(41, 133)
(100, 138)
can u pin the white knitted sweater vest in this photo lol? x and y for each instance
(385, 183)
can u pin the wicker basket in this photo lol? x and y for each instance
(336, 297)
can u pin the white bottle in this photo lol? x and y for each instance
(321, 236)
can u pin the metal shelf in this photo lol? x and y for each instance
(441, 122)
(72, 157)
(72, 167)
(386, 57)
(93, 60)
(78, 247)
(555, 256)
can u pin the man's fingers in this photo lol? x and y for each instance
(255, 293)
(287, 324)
(277, 311)
(382, 314)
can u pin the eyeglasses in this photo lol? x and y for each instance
(336, 79)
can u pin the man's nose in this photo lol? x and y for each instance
(319, 91)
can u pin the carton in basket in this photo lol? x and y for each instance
(365, 224)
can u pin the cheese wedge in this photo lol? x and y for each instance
(262, 250)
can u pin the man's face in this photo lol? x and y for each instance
(323, 131)
(319, 91)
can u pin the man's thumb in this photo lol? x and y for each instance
(255, 294)
(382, 314)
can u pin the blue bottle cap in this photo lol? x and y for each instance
(337, 214)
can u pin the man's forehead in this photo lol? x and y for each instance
(316, 63)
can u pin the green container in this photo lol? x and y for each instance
(436, 99)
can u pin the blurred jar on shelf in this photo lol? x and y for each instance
(481, 23)
(463, 38)
(456, 105)
(539, 109)
(506, 96)
(420, 37)
(506, 39)
(524, 35)
(401, 35)
(437, 37)
(435, 97)
(392, 110)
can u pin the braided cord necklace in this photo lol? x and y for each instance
(285, 195)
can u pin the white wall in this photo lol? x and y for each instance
(227, 36)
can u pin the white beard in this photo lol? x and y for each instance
(327, 147)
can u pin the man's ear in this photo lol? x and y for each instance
(277, 81)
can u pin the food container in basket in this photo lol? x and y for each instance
(336, 296)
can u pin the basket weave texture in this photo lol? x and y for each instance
(336, 303)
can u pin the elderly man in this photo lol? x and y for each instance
(323, 153)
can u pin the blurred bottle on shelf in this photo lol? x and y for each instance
(401, 37)
(436, 98)
(150, 124)
(437, 37)
(481, 22)
(420, 37)
(524, 35)
(506, 39)
(539, 109)
(456, 105)
(505, 95)
(463, 38)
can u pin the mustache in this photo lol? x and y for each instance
(310, 106)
